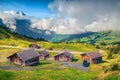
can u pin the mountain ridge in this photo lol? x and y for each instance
(90, 37)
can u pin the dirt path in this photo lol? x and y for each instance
(5, 46)
(76, 66)
(57, 51)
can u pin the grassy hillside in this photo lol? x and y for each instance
(6, 34)
(109, 69)
(13, 39)
(107, 37)
(52, 70)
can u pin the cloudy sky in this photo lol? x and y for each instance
(66, 16)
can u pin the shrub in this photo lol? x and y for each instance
(109, 56)
(115, 67)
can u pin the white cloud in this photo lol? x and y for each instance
(47, 32)
(40, 23)
(73, 17)
(109, 23)
(10, 12)
(86, 15)
(9, 18)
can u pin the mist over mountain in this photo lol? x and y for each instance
(22, 24)
(70, 18)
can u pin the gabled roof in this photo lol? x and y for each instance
(44, 52)
(65, 53)
(34, 45)
(26, 54)
(94, 55)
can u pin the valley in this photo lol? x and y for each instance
(53, 70)
(59, 40)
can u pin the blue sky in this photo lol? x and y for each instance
(36, 8)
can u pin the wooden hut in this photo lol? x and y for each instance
(25, 58)
(43, 55)
(64, 56)
(50, 48)
(35, 46)
(92, 57)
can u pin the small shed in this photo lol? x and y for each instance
(35, 46)
(50, 48)
(25, 57)
(64, 56)
(43, 55)
(92, 57)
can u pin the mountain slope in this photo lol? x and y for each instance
(22, 24)
(6, 34)
(23, 28)
(107, 37)
(14, 39)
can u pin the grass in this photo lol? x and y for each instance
(113, 76)
(44, 71)
(6, 75)
(52, 54)
(5, 52)
(71, 46)
(50, 70)
(13, 42)
(46, 45)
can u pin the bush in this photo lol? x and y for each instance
(97, 46)
(109, 56)
(115, 67)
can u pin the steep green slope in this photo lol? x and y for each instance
(13, 39)
(6, 34)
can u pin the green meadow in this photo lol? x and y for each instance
(109, 69)
(52, 70)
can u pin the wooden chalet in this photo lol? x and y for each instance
(43, 55)
(92, 57)
(35, 46)
(25, 58)
(64, 56)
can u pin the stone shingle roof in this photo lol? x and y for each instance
(26, 54)
(44, 52)
(34, 46)
(94, 55)
(65, 53)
